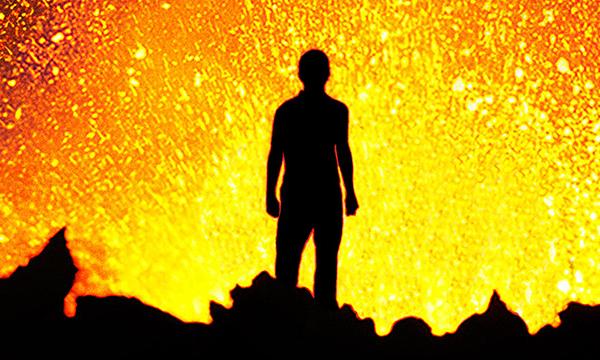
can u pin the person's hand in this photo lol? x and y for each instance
(273, 206)
(351, 204)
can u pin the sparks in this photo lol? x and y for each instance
(144, 128)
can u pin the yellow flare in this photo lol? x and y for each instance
(459, 85)
(563, 65)
(58, 37)
(140, 53)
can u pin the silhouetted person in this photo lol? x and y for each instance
(310, 132)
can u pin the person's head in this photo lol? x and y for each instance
(313, 69)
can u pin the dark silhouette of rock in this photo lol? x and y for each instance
(495, 323)
(265, 320)
(132, 328)
(577, 319)
(36, 292)
(410, 335)
(32, 301)
(268, 319)
(497, 328)
(577, 335)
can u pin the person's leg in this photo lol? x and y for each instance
(293, 231)
(327, 237)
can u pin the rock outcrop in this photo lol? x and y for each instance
(36, 292)
(265, 321)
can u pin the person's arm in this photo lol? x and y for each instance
(344, 156)
(274, 167)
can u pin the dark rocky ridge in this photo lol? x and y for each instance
(264, 321)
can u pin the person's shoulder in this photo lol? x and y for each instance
(340, 106)
(287, 107)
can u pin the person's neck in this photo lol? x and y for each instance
(314, 91)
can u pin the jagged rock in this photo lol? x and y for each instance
(576, 336)
(496, 322)
(578, 318)
(36, 292)
(496, 329)
(268, 319)
(132, 327)
(265, 320)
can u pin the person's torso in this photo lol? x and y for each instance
(310, 127)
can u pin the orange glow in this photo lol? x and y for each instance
(145, 128)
